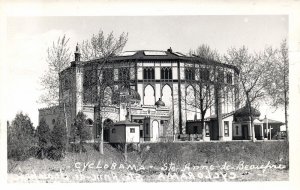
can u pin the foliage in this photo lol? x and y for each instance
(101, 46)
(20, 137)
(277, 80)
(104, 47)
(80, 130)
(58, 141)
(58, 59)
(44, 136)
(204, 51)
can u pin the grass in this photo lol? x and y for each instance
(161, 162)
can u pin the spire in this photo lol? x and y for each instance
(77, 53)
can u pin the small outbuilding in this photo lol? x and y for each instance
(125, 132)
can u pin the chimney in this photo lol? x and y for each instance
(170, 50)
(77, 53)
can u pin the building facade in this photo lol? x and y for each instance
(164, 90)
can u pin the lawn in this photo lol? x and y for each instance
(159, 162)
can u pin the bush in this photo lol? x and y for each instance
(58, 141)
(43, 135)
(20, 138)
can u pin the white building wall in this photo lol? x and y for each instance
(157, 72)
(140, 90)
(176, 108)
(183, 107)
(157, 91)
(175, 73)
(133, 137)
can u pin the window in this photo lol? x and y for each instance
(229, 78)
(124, 74)
(226, 128)
(237, 130)
(113, 131)
(141, 133)
(189, 74)
(149, 73)
(166, 73)
(53, 121)
(132, 130)
(108, 74)
(147, 128)
(221, 76)
(204, 74)
(206, 130)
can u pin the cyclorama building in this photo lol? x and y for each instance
(152, 88)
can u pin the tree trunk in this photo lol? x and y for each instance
(251, 119)
(101, 141)
(42, 153)
(285, 107)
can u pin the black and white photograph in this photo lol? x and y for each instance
(123, 98)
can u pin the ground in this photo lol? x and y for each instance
(158, 162)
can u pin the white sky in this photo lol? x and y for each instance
(29, 37)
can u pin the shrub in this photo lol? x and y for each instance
(58, 141)
(20, 138)
(80, 130)
(43, 135)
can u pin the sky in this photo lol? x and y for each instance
(29, 37)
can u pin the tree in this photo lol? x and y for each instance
(80, 129)
(58, 58)
(204, 51)
(207, 88)
(278, 77)
(20, 137)
(44, 136)
(253, 71)
(58, 140)
(103, 48)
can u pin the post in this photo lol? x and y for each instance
(125, 152)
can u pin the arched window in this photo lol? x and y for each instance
(166, 73)
(204, 74)
(167, 95)
(189, 74)
(149, 73)
(149, 98)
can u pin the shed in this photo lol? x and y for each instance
(125, 132)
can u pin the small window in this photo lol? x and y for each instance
(229, 78)
(147, 128)
(132, 130)
(53, 121)
(113, 131)
(206, 130)
(226, 128)
(141, 133)
(162, 122)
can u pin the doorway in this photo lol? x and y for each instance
(245, 132)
